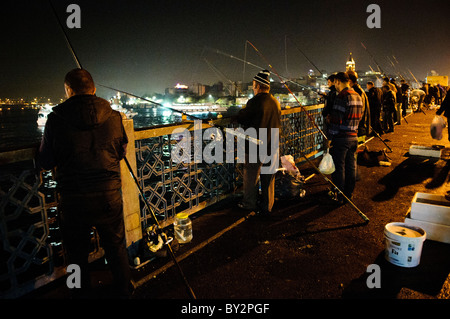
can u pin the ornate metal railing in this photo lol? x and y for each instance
(174, 187)
(32, 252)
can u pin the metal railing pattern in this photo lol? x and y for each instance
(32, 252)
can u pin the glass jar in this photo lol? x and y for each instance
(183, 228)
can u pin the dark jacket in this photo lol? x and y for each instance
(444, 109)
(85, 139)
(364, 127)
(329, 101)
(261, 111)
(389, 101)
(375, 95)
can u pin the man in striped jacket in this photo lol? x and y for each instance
(344, 119)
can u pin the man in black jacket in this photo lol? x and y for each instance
(329, 100)
(388, 109)
(405, 101)
(262, 111)
(84, 139)
(444, 109)
(374, 95)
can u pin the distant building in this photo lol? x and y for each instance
(198, 89)
(350, 64)
(375, 77)
(178, 89)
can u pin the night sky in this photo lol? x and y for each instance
(144, 47)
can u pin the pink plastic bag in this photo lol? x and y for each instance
(437, 127)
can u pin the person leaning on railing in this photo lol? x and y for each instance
(261, 111)
(84, 139)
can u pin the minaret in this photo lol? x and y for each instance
(350, 65)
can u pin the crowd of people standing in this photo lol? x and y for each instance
(351, 114)
(389, 102)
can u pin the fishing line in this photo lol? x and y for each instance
(159, 230)
(284, 79)
(220, 74)
(364, 217)
(378, 66)
(295, 45)
(225, 129)
(287, 87)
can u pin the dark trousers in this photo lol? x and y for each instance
(388, 120)
(375, 120)
(419, 104)
(343, 152)
(104, 211)
(251, 187)
(404, 104)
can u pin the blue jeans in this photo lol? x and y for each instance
(343, 152)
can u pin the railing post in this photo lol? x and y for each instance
(130, 193)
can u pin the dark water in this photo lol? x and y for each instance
(19, 128)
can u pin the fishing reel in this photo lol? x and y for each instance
(155, 238)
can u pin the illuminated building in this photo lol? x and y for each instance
(350, 65)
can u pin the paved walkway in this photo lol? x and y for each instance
(310, 249)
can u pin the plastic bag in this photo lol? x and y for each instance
(326, 165)
(288, 163)
(437, 126)
(289, 182)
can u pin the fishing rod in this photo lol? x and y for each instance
(379, 68)
(413, 77)
(359, 212)
(395, 68)
(66, 37)
(322, 74)
(159, 230)
(364, 217)
(221, 74)
(282, 78)
(285, 56)
(225, 129)
(399, 70)
(287, 87)
(312, 63)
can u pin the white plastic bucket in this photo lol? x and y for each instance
(403, 244)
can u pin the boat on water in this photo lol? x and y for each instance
(44, 111)
(198, 107)
(129, 113)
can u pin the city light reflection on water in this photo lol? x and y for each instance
(19, 128)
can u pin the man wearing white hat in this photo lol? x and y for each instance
(262, 111)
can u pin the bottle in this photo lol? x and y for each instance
(182, 228)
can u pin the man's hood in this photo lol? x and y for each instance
(84, 111)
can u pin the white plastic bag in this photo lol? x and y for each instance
(326, 165)
(437, 126)
(288, 163)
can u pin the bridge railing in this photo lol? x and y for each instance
(32, 252)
